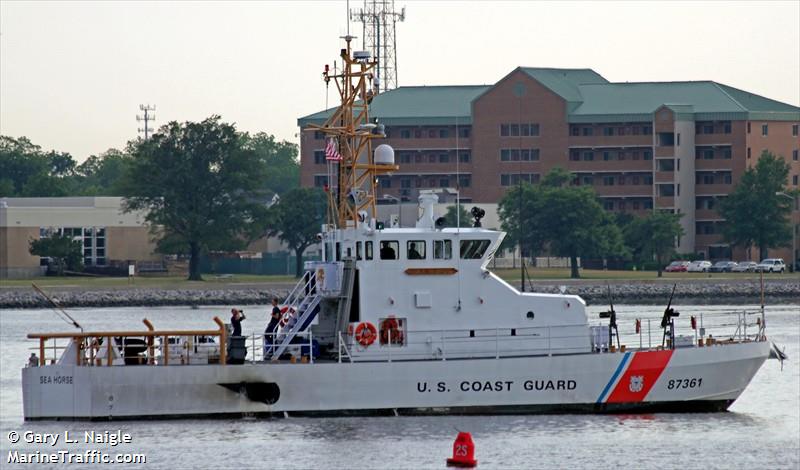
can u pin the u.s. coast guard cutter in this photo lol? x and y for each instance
(393, 320)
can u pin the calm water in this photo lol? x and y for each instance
(762, 430)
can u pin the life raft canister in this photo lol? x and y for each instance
(390, 329)
(366, 333)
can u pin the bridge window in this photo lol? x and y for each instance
(473, 249)
(368, 250)
(442, 249)
(389, 249)
(415, 249)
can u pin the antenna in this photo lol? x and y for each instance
(146, 118)
(379, 20)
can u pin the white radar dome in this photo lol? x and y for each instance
(384, 155)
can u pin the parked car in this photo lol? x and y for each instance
(699, 266)
(771, 265)
(722, 267)
(745, 267)
(677, 267)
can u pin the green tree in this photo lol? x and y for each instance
(566, 220)
(754, 214)
(457, 214)
(296, 219)
(66, 251)
(102, 175)
(198, 184)
(280, 160)
(28, 171)
(653, 236)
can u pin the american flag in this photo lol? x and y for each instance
(331, 153)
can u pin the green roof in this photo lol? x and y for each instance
(589, 98)
(417, 105)
(565, 82)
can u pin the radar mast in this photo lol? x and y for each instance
(352, 133)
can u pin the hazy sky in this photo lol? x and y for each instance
(72, 74)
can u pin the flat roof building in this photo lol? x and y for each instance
(642, 146)
(107, 234)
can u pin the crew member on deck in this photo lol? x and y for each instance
(236, 322)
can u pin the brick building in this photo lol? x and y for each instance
(667, 145)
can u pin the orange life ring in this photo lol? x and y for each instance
(366, 333)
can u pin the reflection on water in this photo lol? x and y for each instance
(762, 430)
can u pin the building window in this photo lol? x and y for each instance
(464, 156)
(405, 134)
(575, 131)
(514, 128)
(319, 135)
(575, 155)
(647, 130)
(608, 205)
(464, 181)
(708, 154)
(319, 157)
(405, 183)
(320, 181)
(648, 179)
(608, 131)
(503, 130)
(405, 157)
(795, 154)
(418, 158)
(648, 204)
(505, 180)
(794, 180)
(417, 133)
(748, 152)
(726, 127)
(444, 133)
(765, 129)
(636, 205)
(464, 132)
(534, 130)
(588, 156)
(386, 182)
(726, 153)
(444, 182)
(444, 158)
(648, 155)
(795, 129)
(587, 131)
(635, 179)
(606, 156)
(748, 127)
(708, 129)
(608, 181)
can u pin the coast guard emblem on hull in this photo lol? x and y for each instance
(637, 383)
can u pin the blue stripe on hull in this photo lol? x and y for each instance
(619, 370)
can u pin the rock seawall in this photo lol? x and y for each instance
(595, 293)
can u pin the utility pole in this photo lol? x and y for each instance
(146, 118)
(379, 20)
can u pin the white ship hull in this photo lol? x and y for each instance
(685, 379)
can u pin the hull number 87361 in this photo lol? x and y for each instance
(694, 382)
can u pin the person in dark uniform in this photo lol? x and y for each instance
(275, 317)
(387, 252)
(236, 322)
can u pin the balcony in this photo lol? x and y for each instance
(665, 202)
(712, 189)
(706, 214)
(617, 166)
(665, 177)
(662, 152)
(611, 141)
(715, 164)
(625, 190)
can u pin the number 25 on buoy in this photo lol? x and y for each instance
(463, 451)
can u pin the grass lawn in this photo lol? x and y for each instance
(174, 282)
(214, 281)
(599, 274)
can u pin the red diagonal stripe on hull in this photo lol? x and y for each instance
(648, 365)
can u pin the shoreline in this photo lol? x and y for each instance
(650, 292)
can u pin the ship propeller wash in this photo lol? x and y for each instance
(392, 321)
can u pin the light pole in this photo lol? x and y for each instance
(399, 208)
(794, 229)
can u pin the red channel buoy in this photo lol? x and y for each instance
(463, 451)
